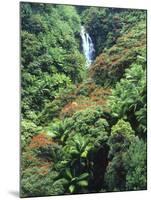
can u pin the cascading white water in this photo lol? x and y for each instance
(88, 47)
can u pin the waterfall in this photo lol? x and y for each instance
(88, 47)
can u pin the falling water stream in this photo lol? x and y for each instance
(88, 47)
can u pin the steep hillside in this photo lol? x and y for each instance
(109, 66)
(83, 127)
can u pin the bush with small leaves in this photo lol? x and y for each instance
(121, 137)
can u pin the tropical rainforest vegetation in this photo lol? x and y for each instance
(83, 129)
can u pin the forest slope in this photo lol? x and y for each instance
(82, 129)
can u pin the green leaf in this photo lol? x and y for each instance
(83, 176)
(68, 173)
(71, 188)
(84, 154)
(83, 183)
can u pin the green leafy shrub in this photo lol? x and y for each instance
(35, 183)
(121, 137)
(128, 99)
(28, 130)
(135, 161)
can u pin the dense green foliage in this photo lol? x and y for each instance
(107, 24)
(119, 141)
(128, 99)
(82, 129)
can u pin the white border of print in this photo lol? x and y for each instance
(9, 99)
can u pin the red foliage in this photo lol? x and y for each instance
(97, 96)
(44, 168)
(40, 140)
